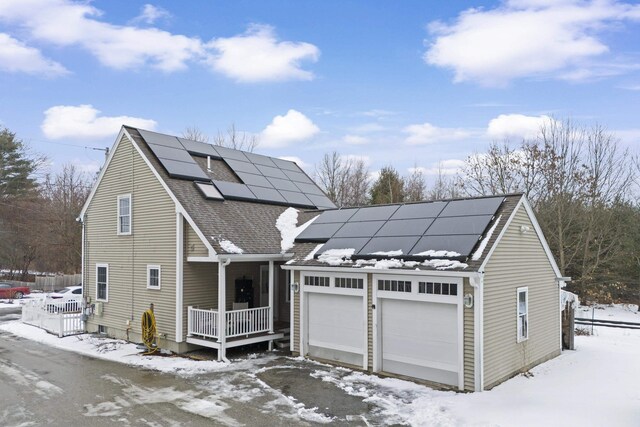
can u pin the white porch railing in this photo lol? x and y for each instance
(204, 323)
(59, 323)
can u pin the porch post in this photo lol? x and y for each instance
(222, 305)
(271, 297)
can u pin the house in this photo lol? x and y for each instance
(192, 229)
(462, 293)
(234, 248)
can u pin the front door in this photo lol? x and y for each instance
(264, 290)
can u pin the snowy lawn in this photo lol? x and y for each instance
(596, 385)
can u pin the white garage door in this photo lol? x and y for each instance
(336, 327)
(419, 339)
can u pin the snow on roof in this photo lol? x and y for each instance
(286, 224)
(229, 247)
(337, 256)
(478, 253)
(387, 253)
(341, 257)
(313, 253)
(438, 254)
(568, 297)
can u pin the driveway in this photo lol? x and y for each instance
(42, 385)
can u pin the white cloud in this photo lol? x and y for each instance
(257, 55)
(377, 113)
(296, 160)
(426, 133)
(82, 121)
(516, 126)
(355, 139)
(368, 128)
(528, 38)
(445, 167)
(284, 130)
(149, 14)
(16, 57)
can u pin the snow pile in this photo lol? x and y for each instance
(229, 247)
(438, 254)
(337, 256)
(286, 224)
(387, 253)
(384, 264)
(114, 350)
(478, 253)
(568, 297)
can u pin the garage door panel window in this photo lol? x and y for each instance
(523, 314)
(438, 288)
(316, 281)
(349, 283)
(394, 285)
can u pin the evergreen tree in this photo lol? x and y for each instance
(388, 188)
(16, 167)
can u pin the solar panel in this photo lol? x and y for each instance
(251, 179)
(235, 190)
(271, 172)
(374, 213)
(209, 191)
(199, 148)
(338, 243)
(318, 232)
(296, 198)
(321, 201)
(298, 177)
(337, 215)
(283, 184)
(239, 166)
(459, 225)
(405, 227)
(228, 153)
(462, 244)
(386, 244)
(286, 165)
(259, 159)
(184, 170)
(359, 229)
(164, 152)
(160, 139)
(472, 207)
(267, 194)
(419, 210)
(309, 189)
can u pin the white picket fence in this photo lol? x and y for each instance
(58, 322)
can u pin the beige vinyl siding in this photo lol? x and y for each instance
(296, 313)
(199, 286)
(152, 241)
(469, 341)
(194, 246)
(519, 260)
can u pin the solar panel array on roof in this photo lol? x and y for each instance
(263, 178)
(415, 229)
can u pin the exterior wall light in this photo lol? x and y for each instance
(468, 300)
(295, 287)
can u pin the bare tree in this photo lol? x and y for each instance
(415, 186)
(345, 180)
(444, 186)
(232, 138)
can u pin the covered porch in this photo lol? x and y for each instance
(250, 305)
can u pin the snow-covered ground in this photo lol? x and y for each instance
(12, 303)
(596, 385)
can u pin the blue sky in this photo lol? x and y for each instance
(409, 83)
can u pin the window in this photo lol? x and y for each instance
(394, 285)
(349, 283)
(102, 282)
(124, 214)
(523, 314)
(437, 288)
(316, 281)
(153, 276)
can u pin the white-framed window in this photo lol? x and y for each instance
(523, 314)
(102, 282)
(124, 214)
(153, 276)
(349, 282)
(394, 285)
(317, 281)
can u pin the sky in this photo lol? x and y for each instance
(409, 84)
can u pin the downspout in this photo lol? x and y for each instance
(477, 282)
(222, 306)
(179, 277)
